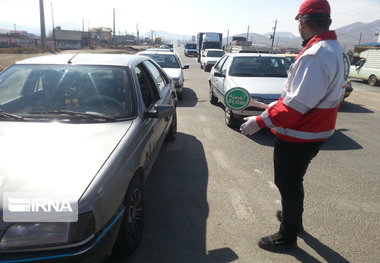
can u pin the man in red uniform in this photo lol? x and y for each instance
(303, 117)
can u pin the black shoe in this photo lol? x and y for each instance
(280, 218)
(277, 242)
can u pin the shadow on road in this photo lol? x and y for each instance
(177, 208)
(353, 108)
(324, 251)
(337, 142)
(189, 98)
(340, 142)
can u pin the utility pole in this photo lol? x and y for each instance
(113, 39)
(274, 35)
(52, 19)
(137, 33)
(360, 38)
(42, 25)
(247, 32)
(228, 33)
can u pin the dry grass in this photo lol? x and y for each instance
(8, 56)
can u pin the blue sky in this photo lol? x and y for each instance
(179, 16)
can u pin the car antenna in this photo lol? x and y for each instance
(257, 50)
(69, 62)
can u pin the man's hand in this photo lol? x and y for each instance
(250, 126)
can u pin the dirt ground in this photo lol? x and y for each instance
(9, 56)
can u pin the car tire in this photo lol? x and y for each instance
(213, 99)
(230, 119)
(205, 68)
(179, 96)
(202, 66)
(131, 228)
(172, 134)
(372, 80)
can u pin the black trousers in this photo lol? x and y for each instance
(290, 164)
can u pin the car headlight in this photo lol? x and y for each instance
(29, 235)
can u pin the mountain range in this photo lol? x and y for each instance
(348, 36)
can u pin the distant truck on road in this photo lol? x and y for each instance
(368, 67)
(208, 40)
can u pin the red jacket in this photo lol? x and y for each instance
(313, 92)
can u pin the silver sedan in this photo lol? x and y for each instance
(88, 128)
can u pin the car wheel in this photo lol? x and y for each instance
(230, 119)
(133, 219)
(202, 66)
(372, 80)
(172, 134)
(212, 97)
(179, 95)
(205, 68)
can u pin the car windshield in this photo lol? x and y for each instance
(66, 92)
(191, 46)
(215, 54)
(259, 67)
(165, 61)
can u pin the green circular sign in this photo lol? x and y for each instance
(237, 98)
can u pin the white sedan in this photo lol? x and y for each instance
(171, 64)
(210, 57)
(262, 75)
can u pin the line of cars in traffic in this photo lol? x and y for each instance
(91, 126)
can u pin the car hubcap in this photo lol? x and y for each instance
(135, 214)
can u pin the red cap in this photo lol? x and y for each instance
(314, 7)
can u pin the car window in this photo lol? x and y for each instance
(219, 64)
(104, 90)
(157, 75)
(165, 60)
(191, 46)
(215, 54)
(223, 70)
(258, 67)
(148, 87)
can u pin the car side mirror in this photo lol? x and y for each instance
(160, 111)
(219, 74)
(185, 67)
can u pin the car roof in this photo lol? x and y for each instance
(254, 55)
(214, 49)
(85, 59)
(157, 52)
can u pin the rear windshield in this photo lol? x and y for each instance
(191, 46)
(165, 61)
(215, 54)
(259, 67)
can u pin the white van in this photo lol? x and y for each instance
(368, 67)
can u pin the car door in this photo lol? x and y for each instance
(160, 84)
(215, 80)
(356, 71)
(149, 96)
(220, 82)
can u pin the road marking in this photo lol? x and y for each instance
(202, 118)
(209, 133)
(221, 158)
(242, 211)
(272, 185)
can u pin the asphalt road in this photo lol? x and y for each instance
(211, 195)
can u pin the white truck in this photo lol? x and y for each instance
(368, 67)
